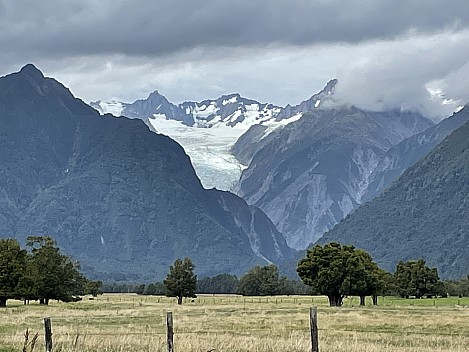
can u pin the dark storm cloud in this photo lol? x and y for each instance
(385, 53)
(151, 28)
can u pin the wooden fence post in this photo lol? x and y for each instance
(48, 334)
(313, 319)
(170, 334)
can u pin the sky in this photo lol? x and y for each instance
(411, 54)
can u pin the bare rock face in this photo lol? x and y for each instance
(310, 174)
(423, 214)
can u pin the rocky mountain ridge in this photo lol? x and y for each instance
(310, 174)
(230, 109)
(208, 129)
(309, 206)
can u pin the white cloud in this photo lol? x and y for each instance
(401, 73)
(383, 55)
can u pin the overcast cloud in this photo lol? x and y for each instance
(384, 53)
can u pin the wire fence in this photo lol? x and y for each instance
(78, 324)
(221, 332)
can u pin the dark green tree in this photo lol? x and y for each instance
(325, 269)
(93, 288)
(223, 283)
(293, 287)
(139, 289)
(335, 271)
(384, 285)
(364, 276)
(58, 276)
(260, 281)
(13, 263)
(27, 287)
(415, 278)
(157, 289)
(458, 288)
(181, 281)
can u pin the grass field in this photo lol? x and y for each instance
(114, 323)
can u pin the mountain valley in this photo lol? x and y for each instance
(307, 166)
(423, 214)
(124, 199)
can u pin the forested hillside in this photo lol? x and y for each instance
(424, 214)
(123, 200)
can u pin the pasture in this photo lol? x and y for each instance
(122, 323)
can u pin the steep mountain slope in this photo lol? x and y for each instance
(123, 200)
(424, 214)
(254, 138)
(403, 155)
(309, 174)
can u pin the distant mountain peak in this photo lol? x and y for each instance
(330, 86)
(326, 92)
(232, 95)
(32, 71)
(154, 94)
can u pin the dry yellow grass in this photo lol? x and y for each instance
(235, 324)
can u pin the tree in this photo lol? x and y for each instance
(58, 276)
(415, 278)
(458, 288)
(158, 289)
(181, 281)
(27, 287)
(139, 289)
(93, 288)
(384, 284)
(293, 287)
(335, 271)
(13, 263)
(260, 281)
(364, 276)
(223, 283)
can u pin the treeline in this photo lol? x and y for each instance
(40, 272)
(338, 271)
(458, 288)
(332, 270)
(259, 281)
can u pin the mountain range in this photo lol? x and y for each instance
(121, 199)
(306, 166)
(310, 165)
(425, 212)
(209, 129)
(124, 199)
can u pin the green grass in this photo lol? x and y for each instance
(118, 323)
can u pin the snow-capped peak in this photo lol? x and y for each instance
(208, 129)
(112, 106)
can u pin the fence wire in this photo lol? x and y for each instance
(233, 331)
